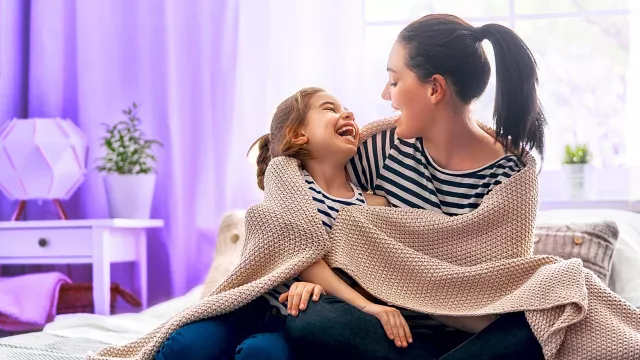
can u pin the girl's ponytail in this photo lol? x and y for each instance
(264, 157)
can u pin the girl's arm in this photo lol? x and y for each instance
(392, 320)
(320, 273)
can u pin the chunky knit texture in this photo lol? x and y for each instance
(474, 264)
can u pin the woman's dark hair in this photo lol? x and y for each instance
(448, 46)
(289, 118)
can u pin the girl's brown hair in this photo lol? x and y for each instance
(287, 121)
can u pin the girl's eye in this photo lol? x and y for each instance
(331, 109)
(393, 84)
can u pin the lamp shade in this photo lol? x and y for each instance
(41, 158)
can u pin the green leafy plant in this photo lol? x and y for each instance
(578, 154)
(128, 150)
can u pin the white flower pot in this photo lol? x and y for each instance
(130, 196)
(576, 177)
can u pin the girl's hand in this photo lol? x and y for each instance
(298, 296)
(393, 322)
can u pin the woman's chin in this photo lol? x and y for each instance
(400, 127)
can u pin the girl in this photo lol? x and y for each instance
(314, 128)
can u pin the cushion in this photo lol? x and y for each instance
(624, 279)
(229, 242)
(592, 242)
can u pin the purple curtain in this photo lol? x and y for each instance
(88, 60)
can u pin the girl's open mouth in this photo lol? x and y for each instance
(348, 132)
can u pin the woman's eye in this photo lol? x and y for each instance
(331, 109)
(393, 84)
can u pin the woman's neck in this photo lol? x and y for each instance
(456, 142)
(330, 177)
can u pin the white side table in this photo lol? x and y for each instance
(99, 242)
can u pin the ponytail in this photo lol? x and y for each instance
(517, 112)
(448, 46)
(264, 157)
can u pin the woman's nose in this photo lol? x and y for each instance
(385, 93)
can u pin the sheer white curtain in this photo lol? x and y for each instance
(633, 96)
(284, 45)
(633, 86)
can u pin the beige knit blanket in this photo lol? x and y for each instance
(473, 264)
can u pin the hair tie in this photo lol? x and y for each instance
(479, 33)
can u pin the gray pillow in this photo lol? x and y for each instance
(592, 242)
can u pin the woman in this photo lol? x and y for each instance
(438, 158)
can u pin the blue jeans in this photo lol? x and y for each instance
(254, 331)
(333, 329)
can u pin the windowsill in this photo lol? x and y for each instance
(617, 188)
(627, 205)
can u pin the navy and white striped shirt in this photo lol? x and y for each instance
(403, 172)
(328, 207)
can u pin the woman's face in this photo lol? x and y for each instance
(408, 95)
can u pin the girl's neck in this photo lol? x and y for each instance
(329, 177)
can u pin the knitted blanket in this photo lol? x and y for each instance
(475, 264)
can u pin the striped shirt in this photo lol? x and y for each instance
(403, 172)
(328, 207)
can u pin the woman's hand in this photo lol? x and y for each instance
(298, 296)
(393, 322)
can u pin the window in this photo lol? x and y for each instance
(581, 46)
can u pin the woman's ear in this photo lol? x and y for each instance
(437, 89)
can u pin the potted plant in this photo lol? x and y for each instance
(575, 163)
(128, 167)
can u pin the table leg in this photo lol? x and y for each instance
(101, 271)
(141, 267)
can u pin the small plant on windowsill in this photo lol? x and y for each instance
(128, 167)
(578, 154)
(576, 159)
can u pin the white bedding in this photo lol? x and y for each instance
(120, 328)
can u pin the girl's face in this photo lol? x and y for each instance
(330, 131)
(413, 98)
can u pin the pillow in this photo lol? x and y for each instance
(229, 244)
(624, 279)
(592, 242)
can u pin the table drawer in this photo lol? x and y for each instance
(45, 242)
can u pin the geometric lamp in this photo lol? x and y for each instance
(41, 158)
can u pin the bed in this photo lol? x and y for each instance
(71, 336)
